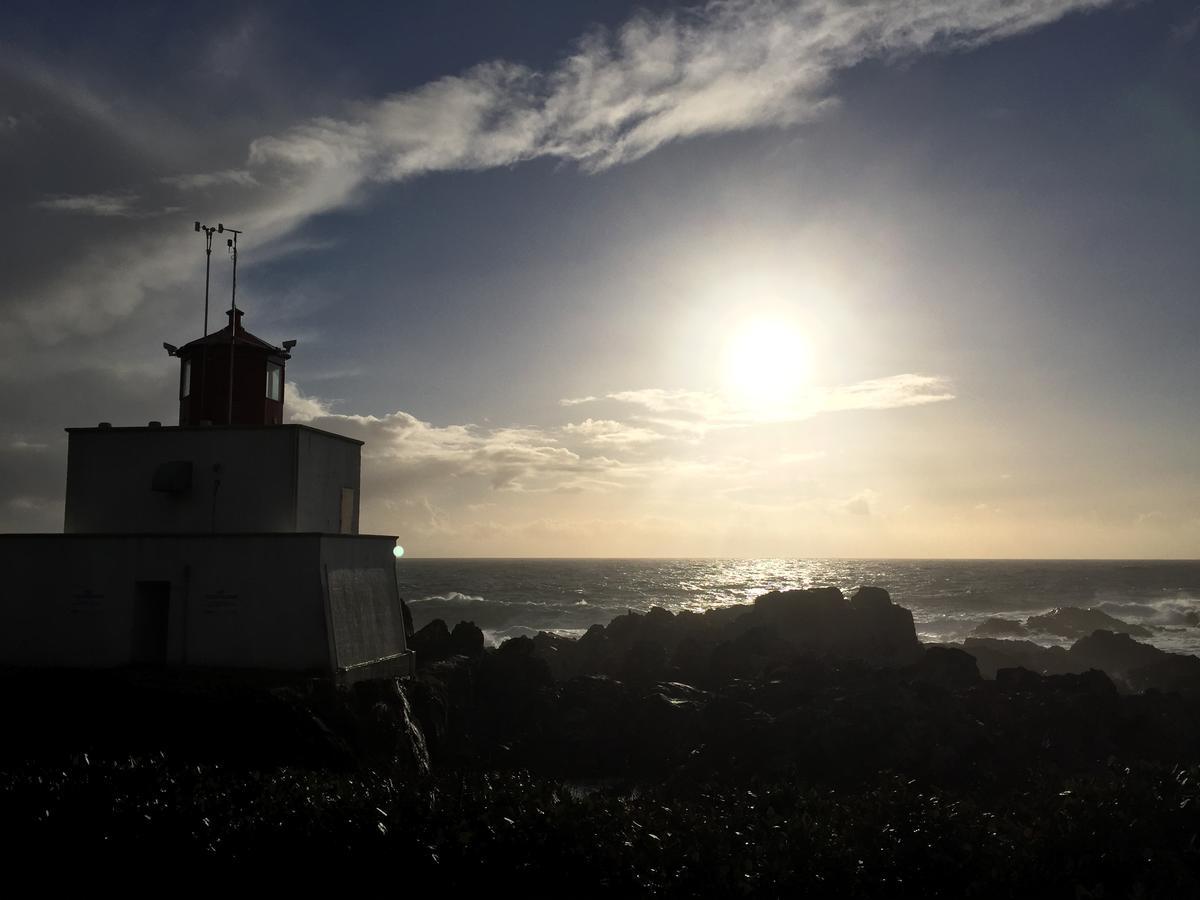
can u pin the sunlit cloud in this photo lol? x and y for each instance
(889, 393)
(701, 411)
(608, 431)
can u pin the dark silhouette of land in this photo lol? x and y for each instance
(804, 743)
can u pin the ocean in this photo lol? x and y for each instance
(948, 598)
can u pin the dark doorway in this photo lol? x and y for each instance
(151, 615)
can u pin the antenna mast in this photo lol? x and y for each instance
(208, 233)
(231, 243)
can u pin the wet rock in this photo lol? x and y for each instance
(993, 654)
(442, 699)
(644, 663)
(870, 599)
(1174, 673)
(747, 655)
(406, 615)
(560, 654)
(1074, 622)
(466, 639)
(389, 724)
(1017, 680)
(946, 667)
(431, 643)
(1113, 653)
(999, 628)
(821, 620)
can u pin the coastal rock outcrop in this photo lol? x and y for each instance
(993, 654)
(1113, 653)
(431, 642)
(1074, 622)
(999, 628)
(737, 641)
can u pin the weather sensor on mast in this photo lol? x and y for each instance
(229, 377)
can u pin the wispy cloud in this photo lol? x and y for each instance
(615, 96)
(601, 432)
(91, 204)
(507, 458)
(889, 393)
(725, 66)
(697, 412)
(202, 180)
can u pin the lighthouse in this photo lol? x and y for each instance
(228, 541)
(231, 377)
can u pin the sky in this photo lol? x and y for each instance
(796, 278)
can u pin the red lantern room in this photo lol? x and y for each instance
(231, 377)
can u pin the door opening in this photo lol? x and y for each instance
(151, 618)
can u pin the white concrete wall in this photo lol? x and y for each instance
(293, 602)
(325, 467)
(282, 478)
(247, 601)
(365, 621)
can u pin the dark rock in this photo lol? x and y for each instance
(561, 655)
(1173, 673)
(431, 643)
(442, 700)
(1093, 683)
(391, 725)
(999, 628)
(747, 655)
(677, 692)
(821, 620)
(406, 615)
(466, 639)
(946, 667)
(1018, 679)
(786, 606)
(993, 654)
(1073, 622)
(644, 663)
(870, 599)
(1113, 653)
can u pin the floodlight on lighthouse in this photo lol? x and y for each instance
(288, 345)
(171, 349)
(197, 226)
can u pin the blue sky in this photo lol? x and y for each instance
(750, 278)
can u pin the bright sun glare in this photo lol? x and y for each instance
(767, 365)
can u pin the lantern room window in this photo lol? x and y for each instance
(274, 382)
(185, 380)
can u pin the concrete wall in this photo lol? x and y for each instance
(282, 478)
(292, 602)
(326, 467)
(365, 622)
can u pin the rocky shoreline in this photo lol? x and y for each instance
(838, 686)
(815, 723)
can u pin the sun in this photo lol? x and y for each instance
(767, 365)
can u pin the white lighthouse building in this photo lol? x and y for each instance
(228, 541)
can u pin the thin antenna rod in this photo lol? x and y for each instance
(208, 238)
(208, 233)
(231, 243)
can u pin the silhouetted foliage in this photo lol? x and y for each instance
(1121, 832)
